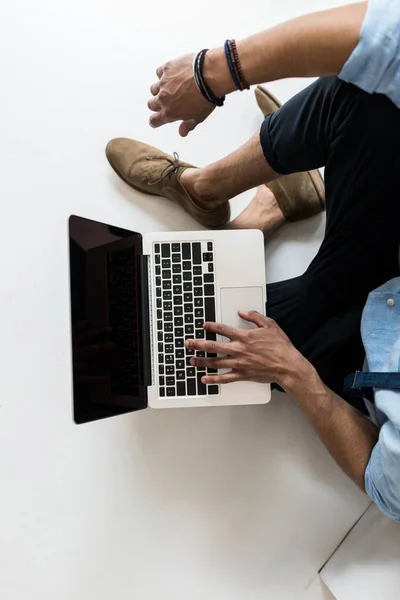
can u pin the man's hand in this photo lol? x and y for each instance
(264, 355)
(176, 96)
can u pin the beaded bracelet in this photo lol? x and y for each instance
(205, 90)
(234, 65)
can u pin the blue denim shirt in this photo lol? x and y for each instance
(374, 65)
(380, 329)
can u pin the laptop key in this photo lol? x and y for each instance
(208, 278)
(189, 318)
(179, 343)
(179, 332)
(180, 353)
(189, 329)
(210, 267)
(212, 371)
(161, 392)
(160, 359)
(169, 359)
(199, 323)
(187, 297)
(200, 354)
(165, 250)
(176, 258)
(169, 348)
(187, 286)
(170, 391)
(196, 253)
(209, 306)
(166, 263)
(167, 285)
(180, 375)
(167, 306)
(158, 281)
(187, 265)
(188, 308)
(197, 271)
(190, 372)
(187, 276)
(209, 289)
(157, 259)
(158, 292)
(211, 336)
(176, 247)
(176, 268)
(159, 325)
(198, 312)
(209, 246)
(201, 387)
(170, 380)
(191, 386)
(198, 291)
(161, 380)
(161, 370)
(176, 279)
(159, 303)
(178, 321)
(212, 390)
(166, 274)
(168, 327)
(177, 289)
(160, 347)
(156, 248)
(186, 254)
(178, 300)
(159, 313)
(168, 337)
(207, 257)
(180, 388)
(200, 334)
(198, 302)
(159, 336)
(180, 364)
(169, 369)
(197, 281)
(189, 352)
(168, 316)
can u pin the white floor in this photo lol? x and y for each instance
(234, 504)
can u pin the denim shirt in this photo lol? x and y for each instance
(380, 329)
(374, 65)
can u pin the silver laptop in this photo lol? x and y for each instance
(136, 299)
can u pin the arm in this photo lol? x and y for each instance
(266, 355)
(347, 435)
(317, 44)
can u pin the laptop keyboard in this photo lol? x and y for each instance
(185, 299)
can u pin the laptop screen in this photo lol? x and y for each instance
(108, 320)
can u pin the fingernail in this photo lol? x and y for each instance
(192, 361)
(204, 379)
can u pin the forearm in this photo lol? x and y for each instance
(346, 433)
(313, 45)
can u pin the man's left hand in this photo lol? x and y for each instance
(265, 354)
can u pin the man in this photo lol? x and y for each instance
(349, 122)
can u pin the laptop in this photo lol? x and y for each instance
(136, 298)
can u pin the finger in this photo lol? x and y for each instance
(209, 346)
(186, 127)
(224, 378)
(254, 317)
(154, 104)
(212, 363)
(160, 72)
(155, 88)
(224, 330)
(158, 119)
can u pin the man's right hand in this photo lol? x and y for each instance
(176, 96)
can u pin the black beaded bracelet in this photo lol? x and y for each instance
(200, 81)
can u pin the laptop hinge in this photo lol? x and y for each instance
(147, 334)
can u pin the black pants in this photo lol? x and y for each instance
(356, 136)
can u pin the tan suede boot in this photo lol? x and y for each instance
(151, 171)
(299, 195)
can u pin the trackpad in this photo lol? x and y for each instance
(234, 299)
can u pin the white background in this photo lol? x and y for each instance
(232, 503)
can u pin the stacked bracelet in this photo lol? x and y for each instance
(234, 65)
(200, 82)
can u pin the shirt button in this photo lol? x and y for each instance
(390, 302)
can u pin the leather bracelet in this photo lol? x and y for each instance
(204, 89)
(235, 66)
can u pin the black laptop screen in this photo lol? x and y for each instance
(107, 320)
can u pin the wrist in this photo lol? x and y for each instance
(217, 74)
(300, 375)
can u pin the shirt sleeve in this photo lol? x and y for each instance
(378, 47)
(382, 475)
